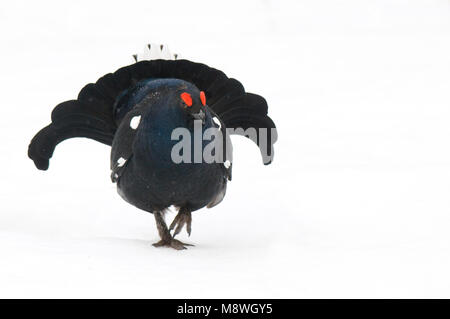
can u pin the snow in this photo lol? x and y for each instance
(355, 204)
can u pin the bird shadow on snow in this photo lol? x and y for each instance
(214, 245)
(121, 241)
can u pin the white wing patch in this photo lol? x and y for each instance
(121, 161)
(216, 120)
(134, 123)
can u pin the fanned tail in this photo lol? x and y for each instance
(95, 113)
(90, 116)
(247, 115)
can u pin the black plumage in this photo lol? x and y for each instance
(136, 110)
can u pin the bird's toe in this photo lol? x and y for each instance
(178, 245)
(172, 243)
(160, 243)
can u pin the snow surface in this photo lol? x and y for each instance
(355, 204)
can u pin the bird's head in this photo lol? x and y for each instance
(174, 102)
(193, 102)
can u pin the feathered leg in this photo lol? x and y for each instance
(183, 218)
(166, 239)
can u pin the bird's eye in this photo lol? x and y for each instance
(203, 98)
(186, 97)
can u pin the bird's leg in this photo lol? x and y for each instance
(183, 218)
(166, 238)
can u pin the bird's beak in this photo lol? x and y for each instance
(199, 116)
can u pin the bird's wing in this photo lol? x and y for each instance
(219, 197)
(227, 147)
(122, 145)
(227, 160)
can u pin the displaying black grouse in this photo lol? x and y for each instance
(138, 110)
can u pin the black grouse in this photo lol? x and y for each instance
(142, 110)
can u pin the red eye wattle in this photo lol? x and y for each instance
(203, 98)
(186, 97)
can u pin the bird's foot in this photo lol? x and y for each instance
(172, 242)
(183, 218)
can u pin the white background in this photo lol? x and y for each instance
(356, 203)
